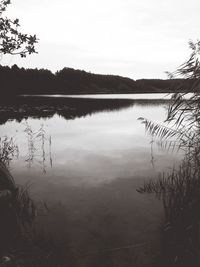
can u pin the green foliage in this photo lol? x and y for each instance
(12, 41)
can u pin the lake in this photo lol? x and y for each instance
(85, 159)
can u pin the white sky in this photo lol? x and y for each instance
(133, 38)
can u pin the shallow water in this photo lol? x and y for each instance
(87, 170)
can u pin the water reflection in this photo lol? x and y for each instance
(95, 216)
(69, 108)
(179, 192)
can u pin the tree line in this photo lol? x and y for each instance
(15, 81)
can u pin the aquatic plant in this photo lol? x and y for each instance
(17, 197)
(37, 141)
(17, 211)
(8, 150)
(180, 195)
(180, 189)
(183, 117)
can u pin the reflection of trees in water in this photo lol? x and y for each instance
(68, 108)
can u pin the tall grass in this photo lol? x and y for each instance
(16, 197)
(180, 195)
(38, 141)
(180, 189)
(8, 149)
(17, 209)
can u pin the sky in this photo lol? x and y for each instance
(131, 38)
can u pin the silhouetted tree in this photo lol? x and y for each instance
(12, 41)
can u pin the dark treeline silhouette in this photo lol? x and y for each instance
(15, 81)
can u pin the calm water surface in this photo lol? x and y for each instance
(115, 96)
(87, 170)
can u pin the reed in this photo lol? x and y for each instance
(17, 211)
(179, 190)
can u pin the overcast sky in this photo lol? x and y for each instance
(133, 38)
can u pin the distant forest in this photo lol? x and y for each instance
(16, 81)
